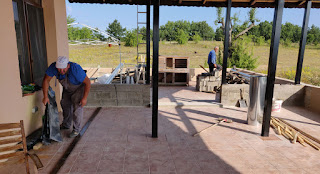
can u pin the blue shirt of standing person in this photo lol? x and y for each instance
(212, 59)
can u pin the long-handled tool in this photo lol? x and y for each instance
(220, 120)
(204, 68)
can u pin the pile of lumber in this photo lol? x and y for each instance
(293, 134)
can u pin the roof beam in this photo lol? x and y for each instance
(204, 2)
(253, 2)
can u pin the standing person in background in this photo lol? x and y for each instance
(76, 87)
(212, 60)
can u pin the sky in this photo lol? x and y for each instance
(100, 15)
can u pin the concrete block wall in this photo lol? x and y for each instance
(230, 94)
(112, 95)
(292, 95)
(207, 83)
(312, 98)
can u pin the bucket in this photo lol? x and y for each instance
(276, 105)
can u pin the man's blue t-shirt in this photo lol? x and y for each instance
(76, 75)
(212, 57)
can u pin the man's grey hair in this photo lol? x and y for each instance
(216, 47)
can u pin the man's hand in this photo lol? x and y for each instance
(83, 102)
(45, 100)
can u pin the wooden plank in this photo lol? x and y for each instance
(10, 133)
(9, 126)
(10, 155)
(11, 140)
(13, 161)
(302, 132)
(8, 148)
(24, 147)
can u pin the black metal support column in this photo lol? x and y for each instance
(303, 41)
(155, 68)
(226, 43)
(274, 47)
(148, 43)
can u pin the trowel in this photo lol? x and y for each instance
(242, 103)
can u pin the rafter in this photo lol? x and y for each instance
(302, 2)
(204, 2)
(253, 2)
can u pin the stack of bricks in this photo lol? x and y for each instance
(207, 83)
(111, 95)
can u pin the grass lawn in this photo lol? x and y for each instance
(92, 56)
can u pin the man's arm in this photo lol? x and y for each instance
(87, 87)
(45, 87)
(214, 60)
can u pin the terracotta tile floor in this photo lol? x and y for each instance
(118, 141)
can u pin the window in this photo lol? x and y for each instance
(31, 43)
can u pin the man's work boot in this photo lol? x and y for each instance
(73, 134)
(63, 127)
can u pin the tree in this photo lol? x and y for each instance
(98, 35)
(313, 35)
(70, 19)
(71, 29)
(234, 22)
(219, 34)
(237, 52)
(115, 29)
(203, 29)
(85, 33)
(265, 29)
(130, 38)
(290, 32)
(143, 31)
(167, 32)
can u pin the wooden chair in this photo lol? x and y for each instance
(13, 137)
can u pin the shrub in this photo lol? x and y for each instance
(131, 38)
(240, 56)
(259, 40)
(182, 37)
(196, 38)
(307, 75)
(286, 42)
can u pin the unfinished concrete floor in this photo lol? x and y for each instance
(118, 141)
(182, 96)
